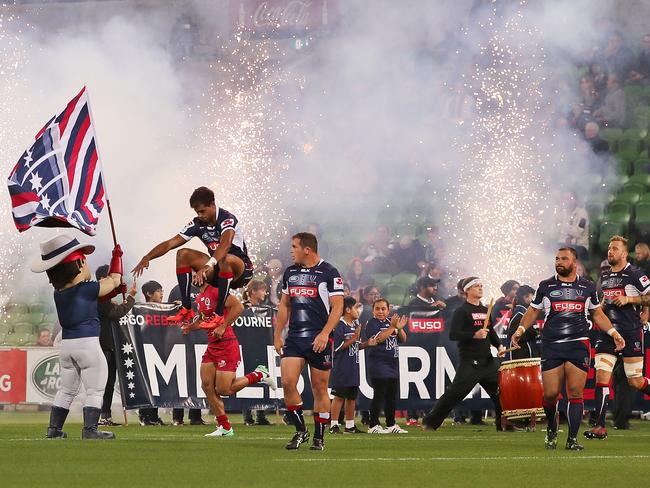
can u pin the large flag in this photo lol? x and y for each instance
(58, 181)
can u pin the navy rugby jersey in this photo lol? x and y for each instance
(565, 307)
(309, 291)
(211, 236)
(76, 308)
(382, 360)
(345, 370)
(630, 282)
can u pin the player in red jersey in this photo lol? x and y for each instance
(222, 357)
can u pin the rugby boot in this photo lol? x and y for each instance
(57, 419)
(184, 316)
(551, 439)
(596, 433)
(317, 445)
(297, 439)
(572, 445)
(266, 377)
(91, 419)
(212, 322)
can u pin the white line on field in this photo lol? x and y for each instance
(487, 458)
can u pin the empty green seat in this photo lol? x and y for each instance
(611, 135)
(642, 179)
(404, 279)
(629, 197)
(618, 206)
(381, 279)
(634, 187)
(645, 197)
(641, 166)
(606, 231)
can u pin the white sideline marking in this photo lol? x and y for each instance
(486, 458)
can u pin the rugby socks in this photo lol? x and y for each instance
(223, 286)
(223, 421)
(320, 424)
(550, 409)
(254, 377)
(602, 396)
(574, 416)
(349, 424)
(646, 386)
(295, 411)
(184, 277)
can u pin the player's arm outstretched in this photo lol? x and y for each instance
(160, 250)
(284, 309)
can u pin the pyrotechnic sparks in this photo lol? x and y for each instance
(497, 217)
(242, 127)
(12, 59)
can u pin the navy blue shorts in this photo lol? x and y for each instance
(555, 354)
(633, 344)
(239, 282)
(302, 347)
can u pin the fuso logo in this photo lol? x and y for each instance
(613, 293)
(227, 223)
(426, 325)
(302, 291)
(568, 307)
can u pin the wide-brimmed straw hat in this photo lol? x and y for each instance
(56, 249)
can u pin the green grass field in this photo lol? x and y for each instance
(166, 456)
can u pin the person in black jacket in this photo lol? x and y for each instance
(109, 312)
(477, 365)
(529, 342)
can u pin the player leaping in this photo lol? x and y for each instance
(226, 266)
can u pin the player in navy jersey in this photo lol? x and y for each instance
(345, 376)
(226, 265)
(623, 286)
(81, 357)
(311, 304)
(566, 352)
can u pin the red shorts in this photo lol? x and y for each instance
(225, 356)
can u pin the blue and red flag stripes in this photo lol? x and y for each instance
(58, 181)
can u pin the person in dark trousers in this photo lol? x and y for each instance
(529, 342)
(624, 396)
(424, 301)
(477, 365)
(109, 312)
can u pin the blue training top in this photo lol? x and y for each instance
(382, 360)
(77, 310)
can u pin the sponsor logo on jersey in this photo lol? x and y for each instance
(303, 291)
(293, 278)
(227, 223)
(567, 306)
(213, 246)
(338, 283)
(555, 293)
(46, 376)
(613, 293)
(644, 280)
(479, 316)
(425, 325)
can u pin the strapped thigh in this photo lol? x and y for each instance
(605, 362)
(633, 367)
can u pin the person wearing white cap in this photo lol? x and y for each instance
(63, 258)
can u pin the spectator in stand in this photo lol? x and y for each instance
(110, 312)
(612, 112)
(582, 112)
(502, 310)
(357, 276)
(382, 365)
(44, 338)
(376, 245)
(598, 76)
(616, 58)
(640, 72)
(592, 136)
(642, 257)
(273, 281)
(254, 295)
(453, 302)
(153, 293)
(368, 296)
(184, 38)
(575, 228)
(434, 246)
(407, 254)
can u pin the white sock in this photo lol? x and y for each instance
(334, 422)
(349, 424)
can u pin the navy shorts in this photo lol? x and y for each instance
(633, 344)
(555, 354)
(302, 347)
(346, 392)
(242, 280)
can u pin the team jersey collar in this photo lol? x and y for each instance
(430, 301)
(557, 278)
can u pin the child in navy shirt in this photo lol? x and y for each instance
(344, 379)
(382, 365)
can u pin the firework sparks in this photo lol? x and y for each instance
(496, 216)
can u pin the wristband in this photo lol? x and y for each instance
(211, 262)
(612, 331)
(523, 329)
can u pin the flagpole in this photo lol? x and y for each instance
(108, 201)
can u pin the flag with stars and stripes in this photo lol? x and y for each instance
(58, 181)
